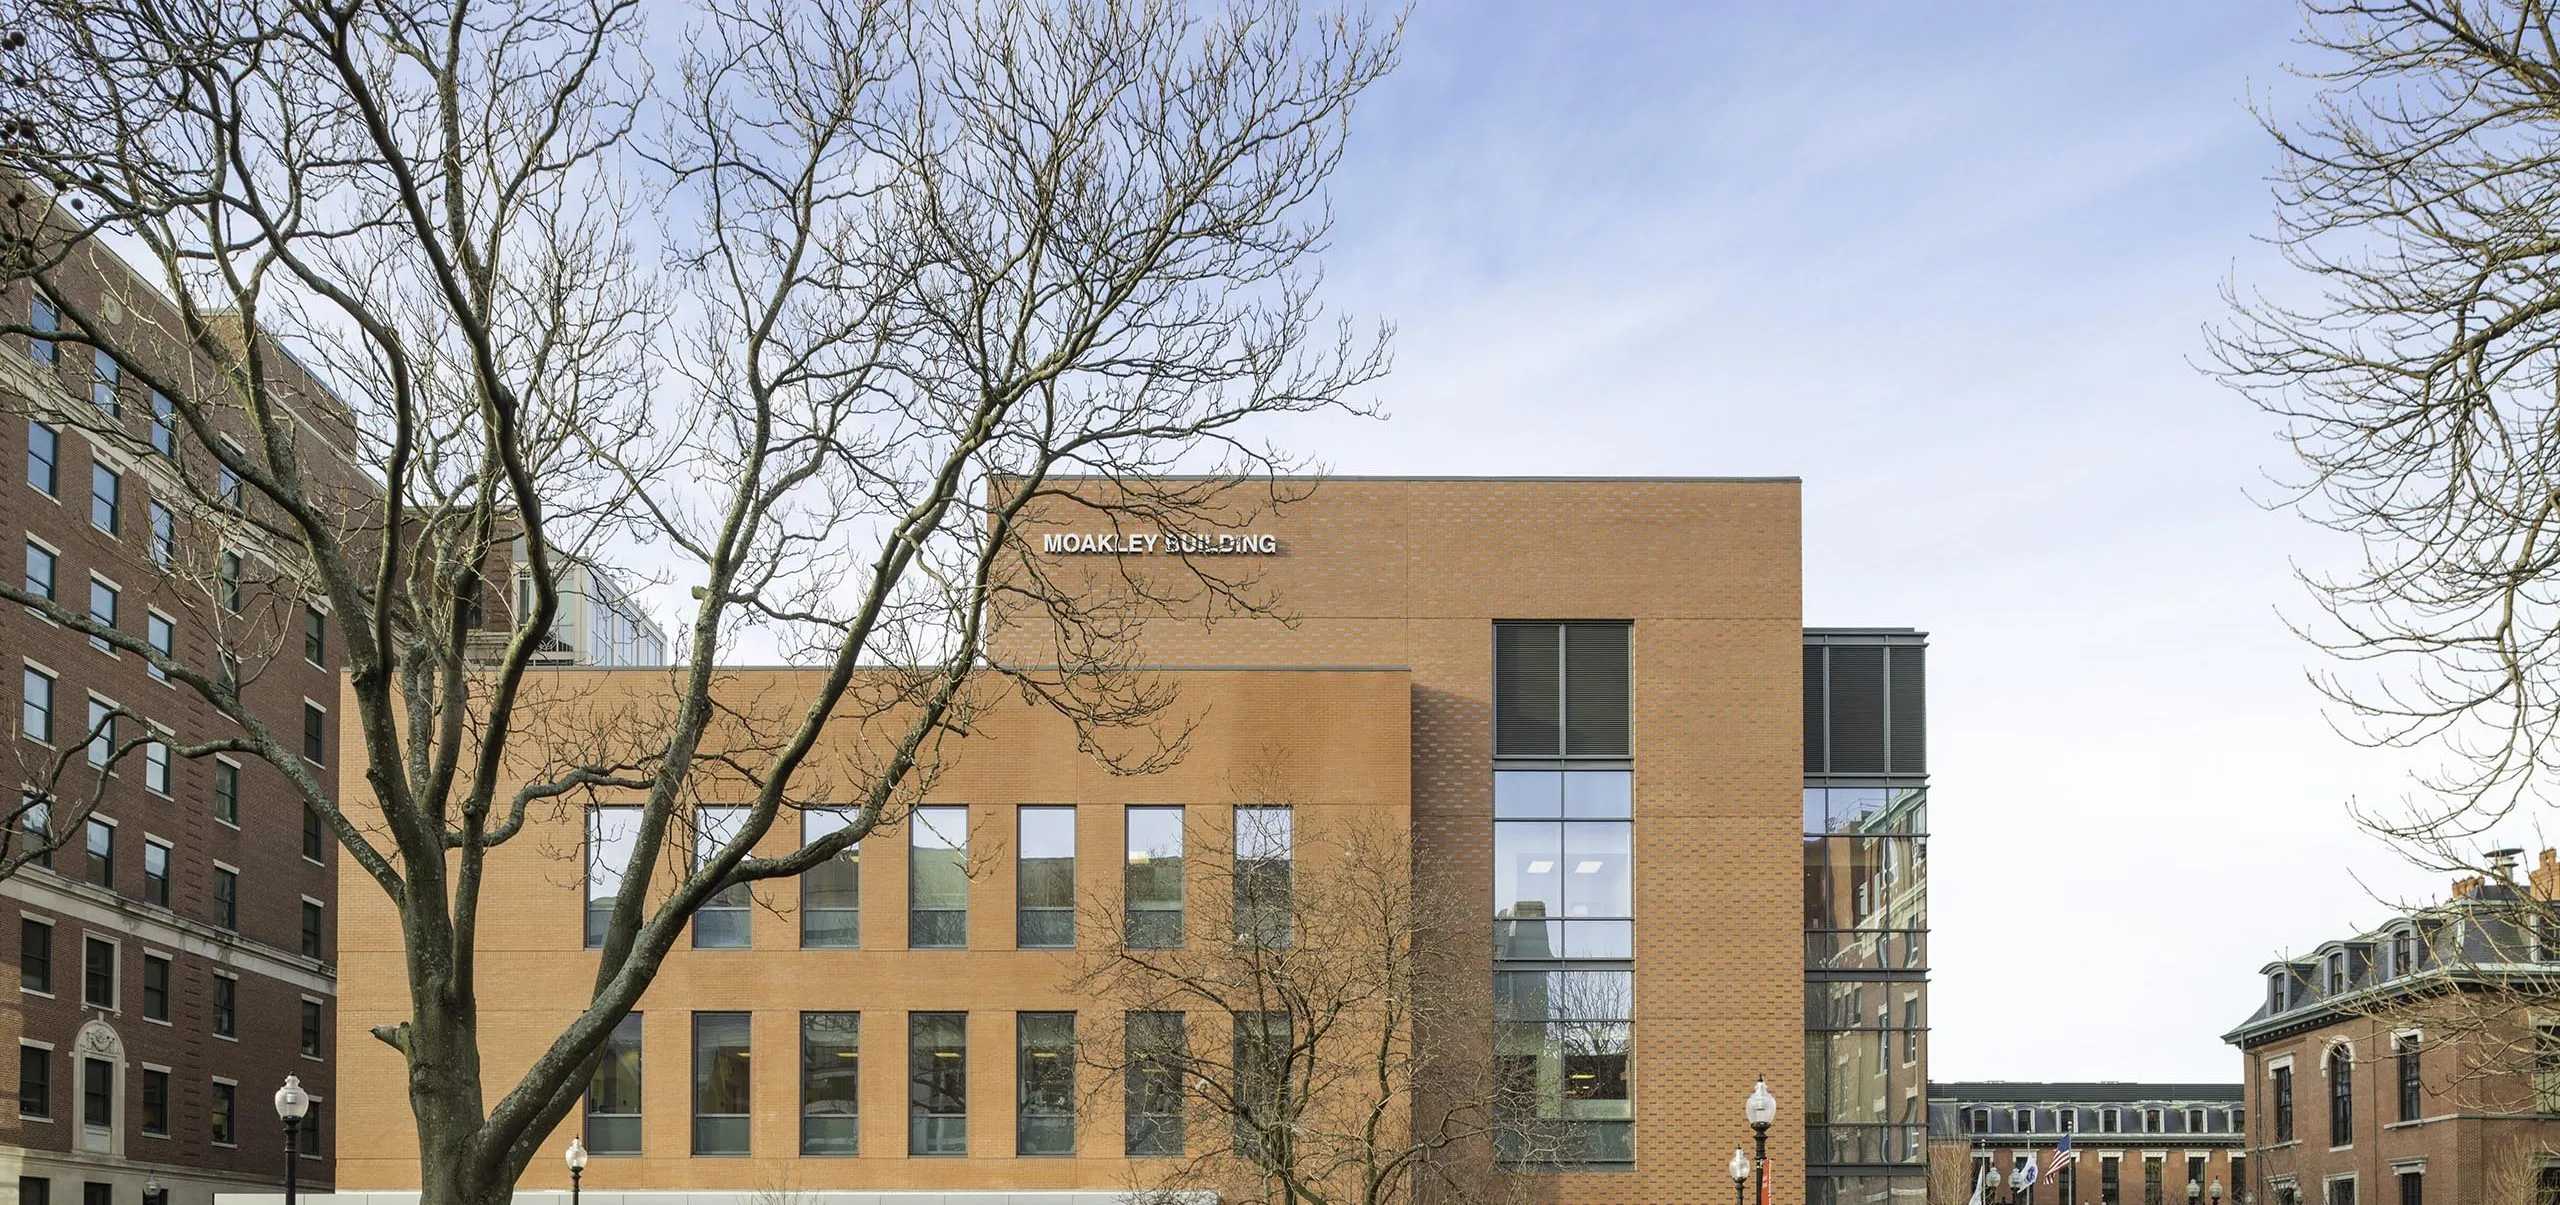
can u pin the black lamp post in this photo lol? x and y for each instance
(1741, 1169)
(292, 1104)
(1761, 1110)
(577, 1167)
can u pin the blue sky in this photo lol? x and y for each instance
(1951, 265)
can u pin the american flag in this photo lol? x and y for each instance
(2063, 1156)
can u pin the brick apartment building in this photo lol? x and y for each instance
(1593, 702)
(2411, 1063)
(2138, 1144)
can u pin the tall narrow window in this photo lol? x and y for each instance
(830, 1083)
(613, 1096)
(105, 375)
(312, 920)
(42, 570)
(2151, 1177)
(35, 706)
(312, 1026)
(35, 827)
(1561, 688)
(1265, 843)
(226, 898)
(162, 633)
(315, 635)
(226, 573)
(155, 1102)
(2110, 1181)
(831, 891)
(2546, 1066)
(35, 1081)
(155, 763)
(227, 486)
(226, 792)
(155, 873)
(1262, 1108)
(106, 495)
(1153, 881)
(937, 1083)
(1045, 879)
(102, 732)
(938, 879)
(155, 987)
(612, 834)
(43, 317)
(164, 424)
(44, 459)
(164, 535)
(99, 853)
(315, 733)
(1563, 1047)
(225, 1108)
(1045, 1073)
(98, 973)
(2412, 1104)
(720, 1083)
(35, 955)
(106, 603)
(2413, 1188)
(315, 835)
(2342, 1101)
(726, 920)
(226, 1006)
(1158, 1050)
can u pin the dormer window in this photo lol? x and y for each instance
(2275, 992)
(2111, 1121)
(2404, 952)
(1979, 1121)
(2338, 973)
(2026, 1119)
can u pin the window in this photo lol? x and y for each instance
(311, 922)
(97, 1094)
(226, 573)
(42, 316)
(1977, 1121)
(1262, 1065)
(155, 764)
(2195, 1170)
(311, 1028)
(226, 1006)
(613, 1097)
(2110, 1181)
(1563, 857)
(1157, 1051)
(315, 636)
(1045, 878)
(2412, 1102)
(226, 898)
(721, 1048)
(164, 425)
(315, 835)
(2024, 1119)
(164, 535)
(35, 1081)
(155, 1102)
(162, 633)
(1045, 1079)
(2283, 1097)
(105, 602)
(830, 892)
(1563, 1044)
(2413, 1188)
(226, 1098)
(2153, 1123)
(155, 873)
(726, 920)
(35, 827)
(105, 376)
(35, 956)
(35, 713)
(2151, 1185)
(35, 1190)
(2066, 1180)
(99, 853)
(2546, 1066)
(315, 733)
(1560, 689)
(226, 486)
(2404, 952)
(937, 1083)
(2341, 1191)
(938, 880)
(2110, 1121)
(97, 973)
(155, 987)
(1264, 839)
(2342, 1104)
(1153, 879)
(830, 1083)
(106, 493)
(102, 732)
(41, 564)
(2195, 1121)
(44, 459)
(612, 836)
(226, 791)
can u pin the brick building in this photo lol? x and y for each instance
(2138, 1144)
(1594, 702)
(2411, 1063)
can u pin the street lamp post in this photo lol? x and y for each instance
(1761, 1110)
(577, 1167)
(1741, 1169)
(152, 1193)
(2215, 1193)
(292, 1104)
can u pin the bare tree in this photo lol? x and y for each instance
(810, 312)
(1951, 1173)
(1289, 1045)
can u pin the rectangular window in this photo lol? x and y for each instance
(105, 375)
(226, 791)
(226, 1098)
(97, 1094)
(2110, 1181)
(2413, 1188)
(1561, 689)
(315, 635)
(102, 732)
(2151, 1182)
(315, 835)
(311, 1028)
(35, 712)
(226, 575)
(42, 316)
(227, 486)
(1045, 879)
(155, 987)
(1158, 1051)
(1264, 909)
(35, 827)
(155, 873)
(35, 1190)
(155, 766)
(226, 1006)
(2342, 1099)
(2342, 1191)
(2153, 1122)
(1045, 1079)
(2546, 1066)
(2282, 1092)
(938, 879)
(315, 733)
(830, 892)
(99, 853)
(41, 570)
(35, 1082)
(726, 920)
(612, 837)
(721, 1056)
(155, 1102)
(1262, 1072)
(106, 494)
(98, 973)
(162, 633)
(164, 535)
(2066, 1181)
(2412, 1103)
(226, 898)
(312, 919)
(35, 955)
(44, 459)
(1152, 882)
(1563, 1049)
(1564, 864)
(830, 1083)
(613, 1097)
(164, 425)
(937, 1083)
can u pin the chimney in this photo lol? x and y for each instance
(2503, 863)
(2546, 876)
(2464, 886)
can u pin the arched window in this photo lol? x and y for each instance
(2342, 1106)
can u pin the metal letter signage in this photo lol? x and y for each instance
(1170, 543)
